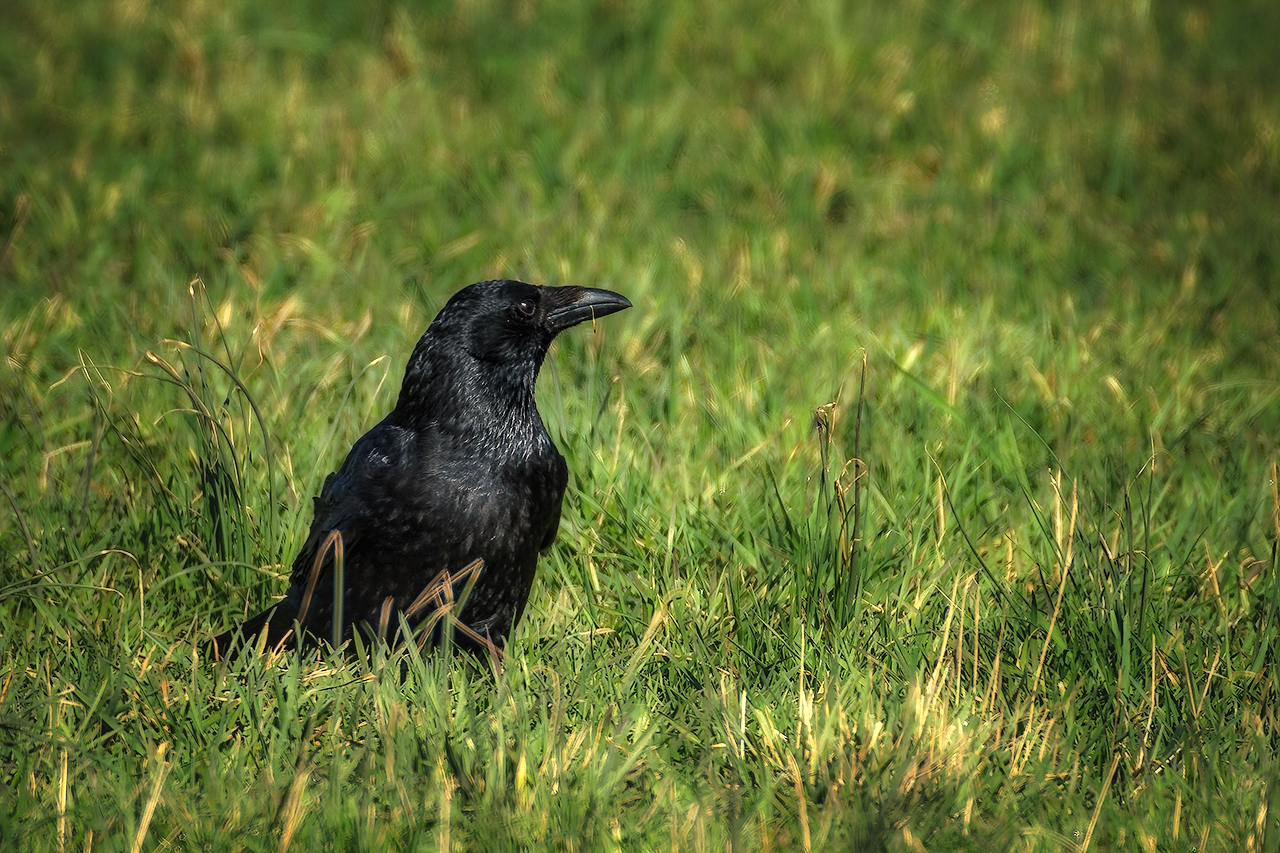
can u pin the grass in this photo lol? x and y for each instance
(926, 501)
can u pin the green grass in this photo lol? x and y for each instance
(1016, 589)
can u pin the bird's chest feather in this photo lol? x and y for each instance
(491, 506)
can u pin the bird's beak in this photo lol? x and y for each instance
(569, 306)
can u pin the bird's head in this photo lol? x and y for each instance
(506, 322)
(499, 330)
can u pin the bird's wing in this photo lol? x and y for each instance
(343, 504)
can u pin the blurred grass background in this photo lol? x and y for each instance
(1016, 590)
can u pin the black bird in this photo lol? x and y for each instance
(461, 470)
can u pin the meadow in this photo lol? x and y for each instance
(926, 500)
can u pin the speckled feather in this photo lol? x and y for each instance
(462, 468)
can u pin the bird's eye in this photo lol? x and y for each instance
(526, 308)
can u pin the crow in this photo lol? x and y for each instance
(460, 486)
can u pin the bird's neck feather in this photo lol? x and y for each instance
(475, 402)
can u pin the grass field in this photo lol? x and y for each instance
(927, 500)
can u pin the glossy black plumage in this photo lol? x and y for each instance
(461, 469)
